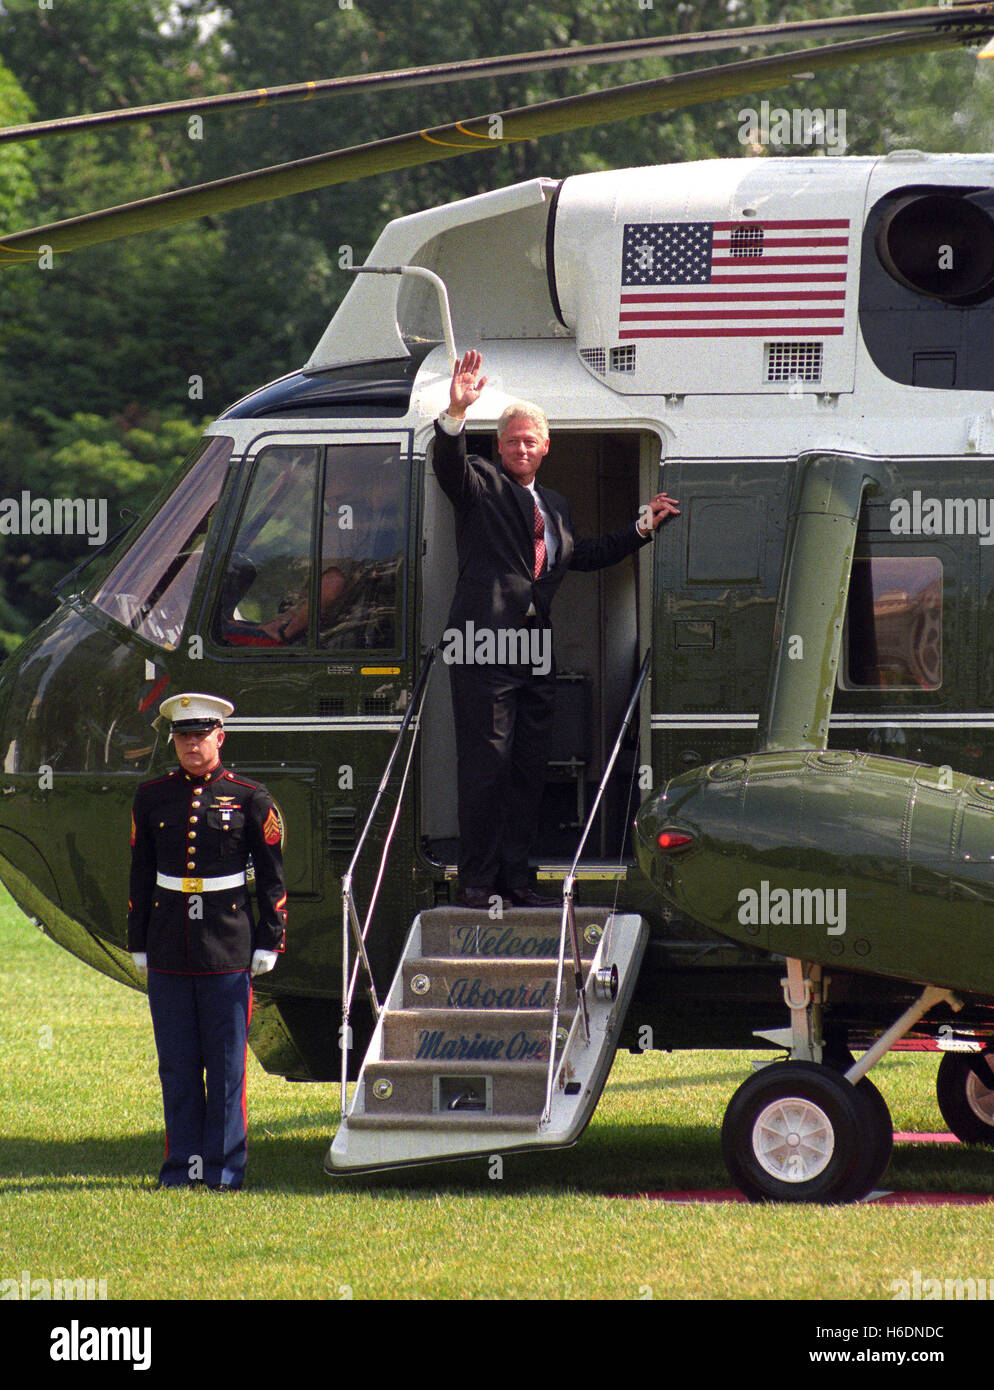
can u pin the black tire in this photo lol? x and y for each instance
(966, 1102)
(878, 1138)
(799, 1132)
(880, 1126)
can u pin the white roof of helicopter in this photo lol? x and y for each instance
(491, 251)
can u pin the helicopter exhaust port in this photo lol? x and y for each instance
(940, 245)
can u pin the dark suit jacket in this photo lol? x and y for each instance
(496, 545)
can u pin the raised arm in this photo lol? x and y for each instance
(467, 385)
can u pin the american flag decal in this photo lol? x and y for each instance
(774, 279)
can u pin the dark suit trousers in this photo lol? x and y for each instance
(503, 718)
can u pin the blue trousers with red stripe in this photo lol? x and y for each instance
(200, 1024)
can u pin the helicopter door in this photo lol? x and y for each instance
(309, 626)
(598, 622)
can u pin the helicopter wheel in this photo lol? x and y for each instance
(966, 1102)
(879, 1134)
(880, 1126)
(799, 1132)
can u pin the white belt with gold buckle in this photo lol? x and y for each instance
(200, 885)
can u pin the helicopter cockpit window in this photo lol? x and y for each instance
(893, 636)
(272, 587)
(150, 588)
(363, 542)
(265, 592)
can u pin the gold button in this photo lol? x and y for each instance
(192, 835)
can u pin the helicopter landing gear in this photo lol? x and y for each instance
(800, 1132)
(964, 1088)
(814, 1128)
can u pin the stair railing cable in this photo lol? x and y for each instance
(350, 917)
(568, 922)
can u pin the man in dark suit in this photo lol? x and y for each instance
(515, 543)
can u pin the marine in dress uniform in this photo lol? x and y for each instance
(191, 925)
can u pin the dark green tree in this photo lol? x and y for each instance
(114, 353)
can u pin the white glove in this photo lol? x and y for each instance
(263, 962)
(140, 959)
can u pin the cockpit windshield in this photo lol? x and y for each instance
(150, 588)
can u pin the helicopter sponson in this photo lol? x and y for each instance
(838, 857)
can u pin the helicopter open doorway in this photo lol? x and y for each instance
(601, 626)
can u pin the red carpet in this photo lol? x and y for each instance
(883, 1199)
(880, 1199)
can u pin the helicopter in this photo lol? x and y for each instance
(767, 779)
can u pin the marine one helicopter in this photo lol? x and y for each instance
(790, 687)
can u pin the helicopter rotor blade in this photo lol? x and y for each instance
(459, 137)
(624, 50)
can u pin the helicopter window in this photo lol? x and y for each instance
(893, 636)
(265, 593)
(150, 588)
(363, 542)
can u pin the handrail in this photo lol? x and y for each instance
(568, 918)
(350, 918)
(440, 290)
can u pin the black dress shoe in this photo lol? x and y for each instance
(479, 899)
(527, 897)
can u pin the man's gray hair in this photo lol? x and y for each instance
(523, 410)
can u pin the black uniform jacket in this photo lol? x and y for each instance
(201, 829)
(495, 540)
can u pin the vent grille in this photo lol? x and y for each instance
(378, 704)
(596, 358)
(746, 243)
(330, 705)
(786, 362)
(623, 358)
(342, 829)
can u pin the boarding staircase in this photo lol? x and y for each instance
(459, 1062)
(499, 1028)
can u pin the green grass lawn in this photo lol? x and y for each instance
(81, 1141)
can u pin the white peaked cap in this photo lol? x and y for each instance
(192, 711)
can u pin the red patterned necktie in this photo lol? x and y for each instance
(539, 541)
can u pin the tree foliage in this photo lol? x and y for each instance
(98, 353)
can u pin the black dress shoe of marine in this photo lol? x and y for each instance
(479, 899)
(527, 897)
